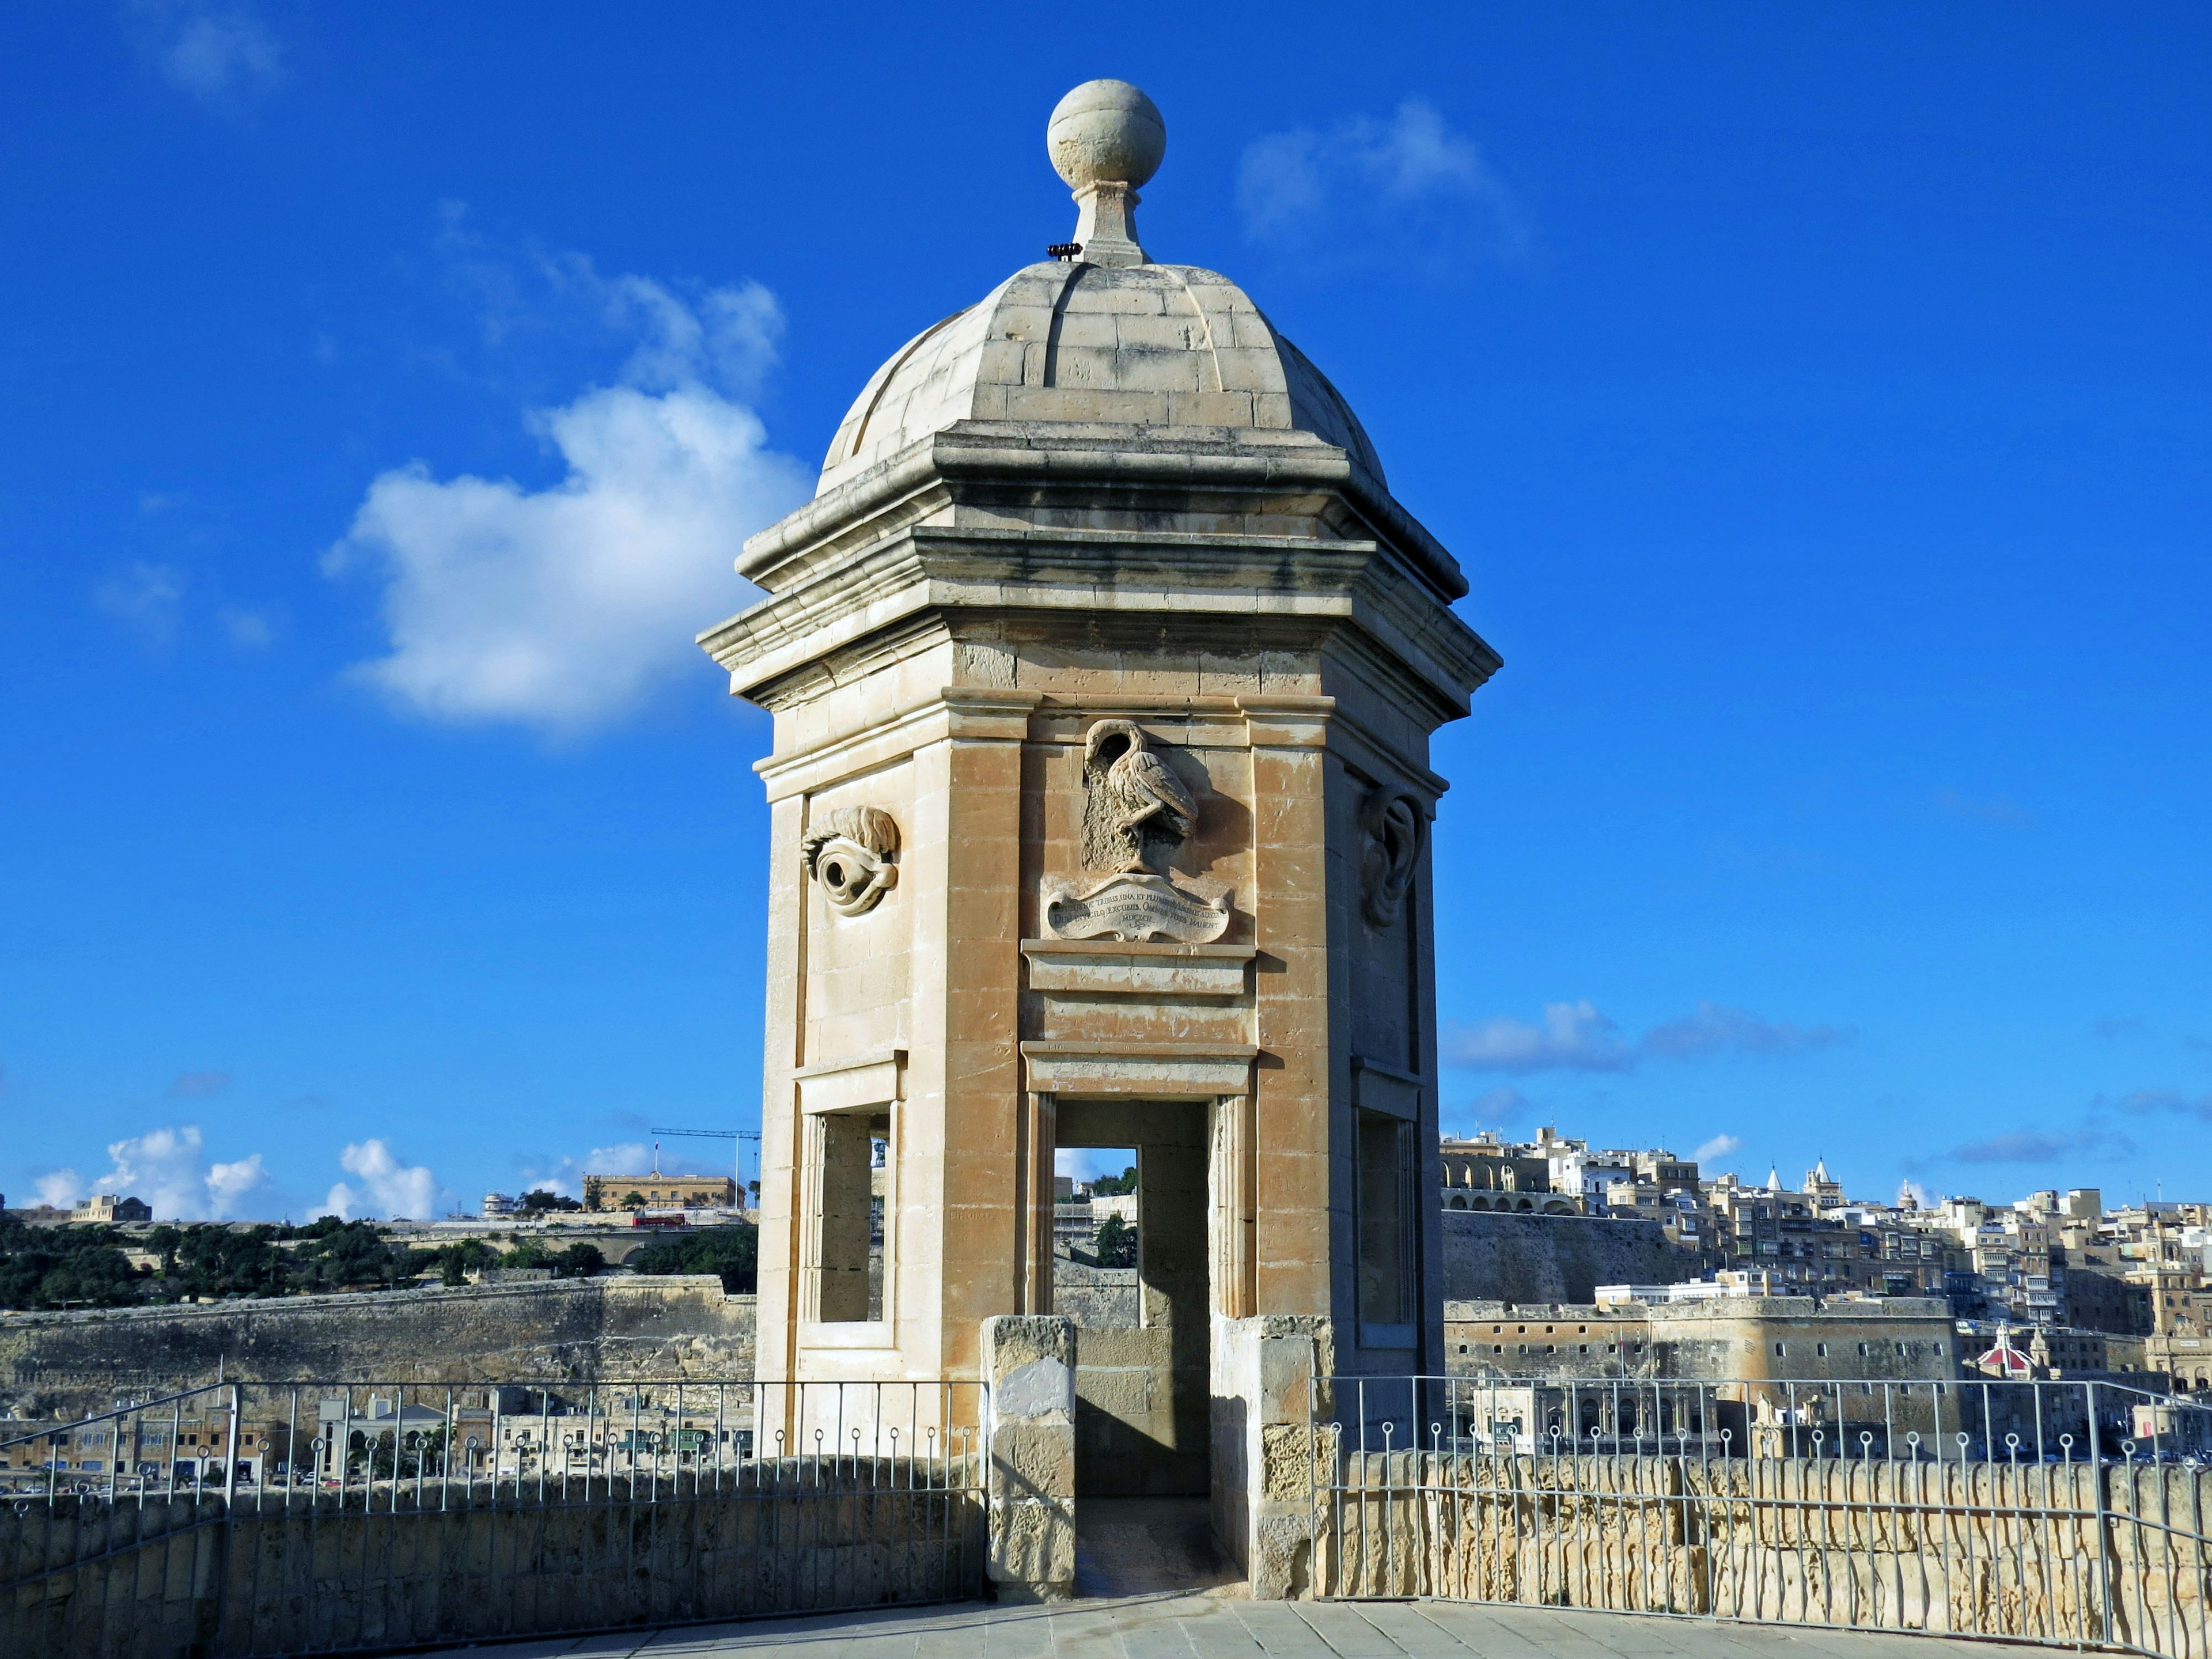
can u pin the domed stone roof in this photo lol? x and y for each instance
(1142, 345)
(1100, 334)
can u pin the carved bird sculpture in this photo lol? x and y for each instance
(1134, 802)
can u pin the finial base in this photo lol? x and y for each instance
(1106, 224)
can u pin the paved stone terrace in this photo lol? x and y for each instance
(1220, 1626)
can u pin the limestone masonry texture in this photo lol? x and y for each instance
(1490, 1256)
(571, 1330)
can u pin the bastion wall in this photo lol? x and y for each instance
(567, 1330)
(1493, 1256)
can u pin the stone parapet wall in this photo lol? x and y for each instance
(2098, 1555)
(194, 1578)
(570, 1330)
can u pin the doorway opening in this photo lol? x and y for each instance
(1095, 1238)
(1143, 1320)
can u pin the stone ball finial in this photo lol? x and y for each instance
(1106, 132)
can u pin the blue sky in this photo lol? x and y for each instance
(1817, 397)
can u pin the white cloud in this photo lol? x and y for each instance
(251, 630)
(1714, 1028)
(1718, 1147)
(227, 1183)
(168, 1169)
(566, 1175)
(147, 599)
(2093, 1143)
(563, 609)
(1410, 178)
(216, 53)
(1491, 1109)
(1088, 1163)
(388, 1187)
(1576, 1036)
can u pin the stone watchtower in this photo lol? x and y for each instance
(1103, 666)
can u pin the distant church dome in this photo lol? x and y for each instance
(1103, 335)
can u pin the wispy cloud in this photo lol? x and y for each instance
(2120, 1026)
(169, 1168)
(1491, 1109)
(251, 629)
(1998, 812)
(191, 1084)
(1088, 1163)
(1714, 1028)
(389, 1187)
(1572, 1036)
(218, 53)
(148, 599)
(562, 609)
(2044, 1146)
(558, 1174)
(1719, 1147)
(1577, 1036)
(1381, 186)
(2164, 1103)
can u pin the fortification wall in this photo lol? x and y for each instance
(571, 1330)
(1493, 1256)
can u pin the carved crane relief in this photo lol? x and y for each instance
(1137, 816)
(1136, 813)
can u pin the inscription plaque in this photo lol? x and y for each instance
(1135, 907)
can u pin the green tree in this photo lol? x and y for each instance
(57, 1267)
(335, 1253)
(1115, 1186)
(732, 1251)
(579, 1261)
(1116, 1243)
(540, 1202)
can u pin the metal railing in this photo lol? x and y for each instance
(2065, 1512)
(341, 1517)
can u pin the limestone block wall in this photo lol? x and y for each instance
(1898, 1339)
(2073, 1552)
(1490, 1256)
(1029, 1360)
(555, 1330)
(1270, 1373)
(452, 1564)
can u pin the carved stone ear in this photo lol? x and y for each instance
(851, 852)
(1392, 827)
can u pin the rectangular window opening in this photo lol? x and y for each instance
(852, 1172)
(1386, 1171)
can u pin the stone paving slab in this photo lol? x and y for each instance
(1220, 1626)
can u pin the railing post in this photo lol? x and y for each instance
(2107, 1561)
(1029, 1359)
(1266, 1377)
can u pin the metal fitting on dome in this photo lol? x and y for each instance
(1106, 138)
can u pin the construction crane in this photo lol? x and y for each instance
(740, 1136)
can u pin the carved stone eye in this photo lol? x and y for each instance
(851, 854)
